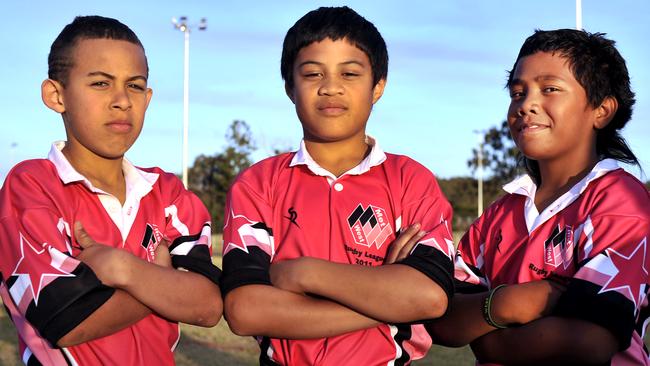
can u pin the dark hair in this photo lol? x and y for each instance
(335, 23)
(60, 60)
(600, 69)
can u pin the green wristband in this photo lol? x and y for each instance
(487, 308)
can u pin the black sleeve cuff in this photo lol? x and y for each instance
(610, 310)
(198, 261)
(434, 264)
(66, 302)
(241, 268)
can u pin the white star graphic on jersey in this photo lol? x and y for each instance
(30, 267)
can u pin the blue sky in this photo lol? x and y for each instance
(448, 62)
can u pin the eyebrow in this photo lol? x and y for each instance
(111, 77)
(350, 62)
(543, 77)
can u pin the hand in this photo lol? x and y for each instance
(525, 302)
(404, 243)
(287, 274)
(109, 264)
(161, 254)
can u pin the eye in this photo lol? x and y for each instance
(312, 74)
(99, 84)
(516, 94)
(137, 87)
(550, 89)
(351, 74)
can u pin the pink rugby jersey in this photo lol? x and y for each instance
(287, 207)
(47, 292)
(596, 234)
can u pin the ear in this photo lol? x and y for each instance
(149, 95)
(289, 90)
(52, 95)
(605, 112)
(378, 90)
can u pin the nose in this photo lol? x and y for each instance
(330, 86)
(121, 99)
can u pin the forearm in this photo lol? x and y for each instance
(462, 323)
(176, 295)
(119, 312)
(255, 310)
(393, 293)
(551, 340)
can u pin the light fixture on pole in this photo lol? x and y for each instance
(182, 25)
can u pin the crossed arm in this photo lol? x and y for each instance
(142, 288)
(533, 337)
(335, 298)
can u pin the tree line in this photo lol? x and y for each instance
(211, 175)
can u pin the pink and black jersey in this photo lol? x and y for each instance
(596, 234)
(287, 206)
(47, 292)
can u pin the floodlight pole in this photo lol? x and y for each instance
(579, 14)
(182, 25)
(481, 138)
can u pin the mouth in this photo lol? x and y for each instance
(531, 127)
(332, 108)
(120, 126)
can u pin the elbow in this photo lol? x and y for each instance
(433, 302)
(210, 310)
(238, 315)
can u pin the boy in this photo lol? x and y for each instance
(576, 216)
(320, 221)
(72, 300)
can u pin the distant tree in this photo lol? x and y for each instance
(647, 185)
(499, 155)
(211, 176)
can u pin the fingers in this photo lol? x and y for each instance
(404, 243)
(161, 254)
(83, 239)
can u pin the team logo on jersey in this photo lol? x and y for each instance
(152, 237)
(558, 248)
(369, 226)
(292, 216)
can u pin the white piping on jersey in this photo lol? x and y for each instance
(398, 349)
(177, 338)
(586, 228)
(68, 355)
(185, 247)
(176, 222)
(138, 184)
(26, 355)
(376, 157)
(64, 229)
(525, 186)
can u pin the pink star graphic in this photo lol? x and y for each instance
(35, 267)
(628, 267)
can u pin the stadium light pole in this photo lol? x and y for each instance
(579, 14)
(182, 25)
(481, 138)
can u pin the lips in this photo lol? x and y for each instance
(120, 126)
(332, 108)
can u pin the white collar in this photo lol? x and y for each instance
(376, 157)
(138, 181)
(525, 186)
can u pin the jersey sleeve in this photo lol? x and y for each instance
(429, 207)
(248, 245)
(45, 285)
(468, 262)
(612, 280)
(188, 226)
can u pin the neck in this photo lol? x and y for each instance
(340, 156)
(557, 178)
(105, 174)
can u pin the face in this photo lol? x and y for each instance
(105, 98)
(549, 115)
(333, 91)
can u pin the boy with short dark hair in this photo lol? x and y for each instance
(72, 300)
(308, 261)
